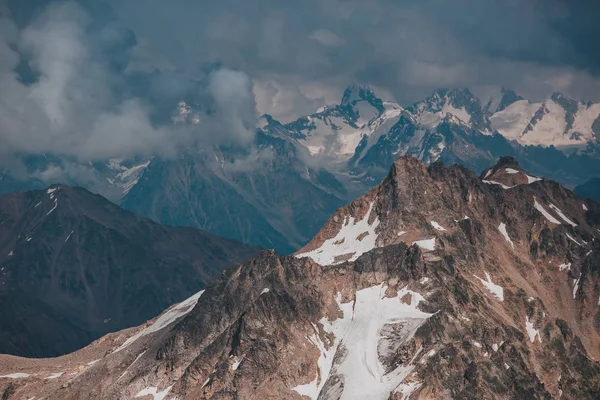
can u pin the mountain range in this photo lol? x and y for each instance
(279, 192)
(437, 283)
(74, 266)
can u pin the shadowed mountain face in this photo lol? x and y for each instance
(274, 200)
(590, 189)
(74, 266)
(436, 284)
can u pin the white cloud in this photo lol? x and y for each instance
(326, 37)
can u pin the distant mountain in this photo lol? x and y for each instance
(280, 191)
(500, 101)
(269, 198)
(113, 178)
(436, 284)
(590, 189)
(74, 266)
(450, 126)
(557, 121)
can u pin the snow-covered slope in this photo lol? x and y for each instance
(557, 121)
(334, 132)
(362, 135)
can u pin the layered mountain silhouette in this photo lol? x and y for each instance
(277, 193)
(438, 283)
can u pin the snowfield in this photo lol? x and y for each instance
(427, 244)
(496, 290)
(166, 319)
(354, 237)
(502, 229)
(371, 327)
(545, 213)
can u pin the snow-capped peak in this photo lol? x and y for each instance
(354, 93)
(501, 99)
(459, 103)
(558, 120)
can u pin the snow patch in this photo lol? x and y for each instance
(562, 215)
(576, 286)
(68, 237)
(130, 365)
(427, 244)
(166, 319)
(497, 183)
(531, 332)
(55, 375)
(511, 171)
(564, 266)
(265, 290)
(437, 226)
(496, 290)
(573, 240)
(545, 213)
(53, 208)
(584, 207)
(502, 229)
(354, 237)
(16, 375)
(153, 391)
(532, 179)
(236, 365)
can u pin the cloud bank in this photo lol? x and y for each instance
(409, 47)
(65, 90)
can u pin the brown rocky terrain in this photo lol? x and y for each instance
(437, 284)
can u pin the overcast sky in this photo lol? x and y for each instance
(93, 78)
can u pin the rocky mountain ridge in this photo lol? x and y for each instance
(438, 283)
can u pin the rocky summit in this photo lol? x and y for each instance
(436, 284)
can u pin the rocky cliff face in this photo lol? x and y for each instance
(436, 284)
(74, 266)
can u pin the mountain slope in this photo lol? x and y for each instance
(270, 198)
(436, 284)
(74, 266)
(557, 121)
(590, 189)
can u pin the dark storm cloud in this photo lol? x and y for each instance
(408, 47)
(65, 88)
